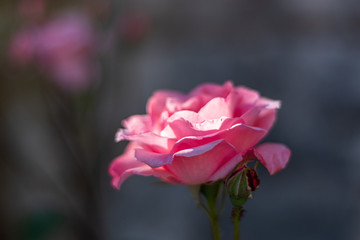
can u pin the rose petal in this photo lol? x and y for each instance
(152, 159)
(241, 136)
(208, 162)
(182, 128)
(137, 124)
(260, 116)
(217, 124)
(157, 103)
(125, 165)
(273, 156)
(168, 132)
(192, 104)
(178, 104)
(191, 152)
(251, 115)
(267, 115)
(179, 124)
(187, 115)
(241, 99)
(265, 119)
(225, 168)
(173, 104)
(119, 179)
(148, 140)
(215, 108)
(269, 103)
(213, 90)
(205, 92)
(230, 122)
(184, 123)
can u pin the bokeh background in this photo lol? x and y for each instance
(72, 70)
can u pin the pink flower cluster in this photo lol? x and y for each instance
(62, 48)
(199, 137)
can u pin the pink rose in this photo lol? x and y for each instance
(200, 137)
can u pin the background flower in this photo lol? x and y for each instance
(64, 48)
(22, 48)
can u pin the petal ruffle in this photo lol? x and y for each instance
(214, 109)
(273, 156)
(188, 123)
(267, 115)
(147, 140)
(212, 90)
(126, 165)
(157, 105)
(152, 159)
(137, 124)
(241, 136)
(182, 128)
(262, 116)
(241, 100)
(177, 104)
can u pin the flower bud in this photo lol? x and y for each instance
(240, 184)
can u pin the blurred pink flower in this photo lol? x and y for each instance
(200, 137)
(66, 50)
(22, 50)
(63, 48)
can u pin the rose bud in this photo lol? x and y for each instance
(241, 184)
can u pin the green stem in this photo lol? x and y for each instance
(215, 227)
(237, 213)
(210, 202)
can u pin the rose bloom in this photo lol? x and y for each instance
(200, 137)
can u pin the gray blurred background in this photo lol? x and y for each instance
(53, 160)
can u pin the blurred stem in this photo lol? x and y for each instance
(68, 115)
(237, 213)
